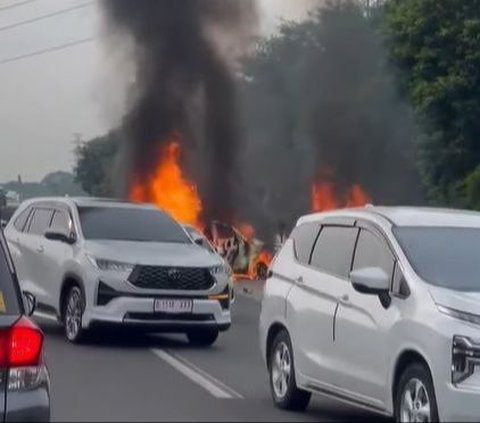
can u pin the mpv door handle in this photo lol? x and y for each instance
(40, 249)
(344, 299)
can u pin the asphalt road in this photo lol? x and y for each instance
(120, 377)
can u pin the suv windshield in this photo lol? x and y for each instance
(130, 224)
(447, 257)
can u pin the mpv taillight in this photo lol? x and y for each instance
(21, 345)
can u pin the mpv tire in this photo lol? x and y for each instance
(202, 337)
(283, 385)
(415, 396)
(73, 308)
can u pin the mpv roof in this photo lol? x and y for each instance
(405, 216)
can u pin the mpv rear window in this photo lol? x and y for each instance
(303, 238)
(333, 250)
(9, 303)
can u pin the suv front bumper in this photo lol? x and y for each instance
(139, 311)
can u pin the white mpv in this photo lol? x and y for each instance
(380, 308)
(93, 262)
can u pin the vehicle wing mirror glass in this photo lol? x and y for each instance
(370, 280)
(30, 302)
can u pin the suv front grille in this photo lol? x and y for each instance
(172, 278)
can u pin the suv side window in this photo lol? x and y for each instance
(373, 252)
(303, 239)
(40, 221)
(334, 249)
(21, 219)
(61, 221)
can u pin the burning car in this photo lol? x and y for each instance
(246, 255)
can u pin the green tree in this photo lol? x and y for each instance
(94, 164)
(436, 47)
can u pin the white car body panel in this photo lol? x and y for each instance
(358, 366)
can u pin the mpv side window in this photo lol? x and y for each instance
(303, 238)
(373, 252)
(61, 222)
(22, 218)
(40, 221)
(334, 249)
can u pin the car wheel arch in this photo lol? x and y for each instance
(69, 281)
(405, 359)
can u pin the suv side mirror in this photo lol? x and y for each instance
(370, 280)
(30, 302)
(59, 235)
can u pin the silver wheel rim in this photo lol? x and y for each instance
(281, 370)
(415, 402)
(73, 315)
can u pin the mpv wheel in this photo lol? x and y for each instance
(73, 308)
(415, 400)
(283, 384)
(202, 337)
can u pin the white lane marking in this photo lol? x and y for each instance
(201, 378)
(45, 316)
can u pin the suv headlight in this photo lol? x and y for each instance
(111, 265)
(465, 356)
(220, 270)
(461, 315)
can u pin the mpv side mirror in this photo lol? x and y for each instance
(30, 302)
(58, 235)
(370, 280)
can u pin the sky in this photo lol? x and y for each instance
(45, 100)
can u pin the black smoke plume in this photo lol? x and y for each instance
(184, 86)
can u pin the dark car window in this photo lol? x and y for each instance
(21, 219)
(303, 238)
(61, 222)
(443, 256)
(9, 301)
(40, 221)
(130, 224)
(373, 252)
(334, 249)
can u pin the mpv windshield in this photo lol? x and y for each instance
(130, 224)
(447, 257)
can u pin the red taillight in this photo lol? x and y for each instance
(21, 345)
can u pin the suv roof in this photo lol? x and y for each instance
(405, 216)
(91, 202)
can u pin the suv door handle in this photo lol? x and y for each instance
(299, 280)
(345, 299)
(40, 249)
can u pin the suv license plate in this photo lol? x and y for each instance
(172, 306)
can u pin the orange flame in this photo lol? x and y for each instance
(168, 189)
(323, 197)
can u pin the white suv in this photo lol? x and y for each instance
(90, 262)
(379, 308)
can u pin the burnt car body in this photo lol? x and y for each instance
(246, 257)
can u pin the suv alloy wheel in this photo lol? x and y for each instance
(415, 399)
(73, 308)
(283, 384)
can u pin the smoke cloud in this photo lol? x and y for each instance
(185, 54)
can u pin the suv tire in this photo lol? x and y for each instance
(415, 395)
(202, 337)
(283, 385)
(73, 308)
